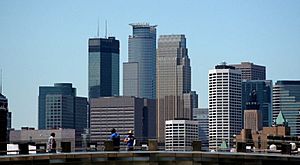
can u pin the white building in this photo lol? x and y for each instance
(180, 134)
(224, 114)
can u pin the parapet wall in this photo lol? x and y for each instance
(153, 158)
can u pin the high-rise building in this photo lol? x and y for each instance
(252, 114)
(123, 113)
(263, 90)
(180, 134)
(139, 72)
(201, 115)
(59, 107)
(225, 111)
(251, 71)
(174, 96)
(103, 67)
(3, 123)
(286, 98)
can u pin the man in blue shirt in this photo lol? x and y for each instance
(129, 140)
(115, 137)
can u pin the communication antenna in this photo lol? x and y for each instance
(105, 28)
(1, 81)
(98, 29)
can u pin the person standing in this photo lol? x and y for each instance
(115, 137)
(129, 140)
(51, 143)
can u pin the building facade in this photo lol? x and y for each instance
(286, 98)
(263, 90)
(224, 111)
(3, 123)
(174, 96)
(59, 107)
(139, 72)
(251, 71)
(103, 67)
(123, 113)
(201, 115)
(180, 134)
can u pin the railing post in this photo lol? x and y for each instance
(152, 145)
(108, 145)
(196, 145)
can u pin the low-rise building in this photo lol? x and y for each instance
(180, 134)
(26, 135)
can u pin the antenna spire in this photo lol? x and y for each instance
(1, 81)
(98, 29)
(105, 28)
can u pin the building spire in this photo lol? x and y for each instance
(1, 81)
(105, 28)
(98, 29)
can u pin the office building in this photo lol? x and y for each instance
(225, 111)
(3, 123)
(139, 72)
(286, 98)
(201, 115)
(123, 113)
(180, 134)
(174, 96)
(251, 71)
(252, 114)
(59, 107)
(103, 67)
(263, 90)
(277, 134)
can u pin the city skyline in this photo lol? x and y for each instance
(36, 47)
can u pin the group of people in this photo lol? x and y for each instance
(115, 137)
(129, 140)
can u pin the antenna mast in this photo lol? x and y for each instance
(1, 81)
(105, 28)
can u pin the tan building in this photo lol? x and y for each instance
(277, 134)
(123, 113)
(173, 77)
(251, 71)
(252, 120)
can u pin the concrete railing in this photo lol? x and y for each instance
(151, 157)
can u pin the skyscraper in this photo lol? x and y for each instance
(286, 98)
(252, 114)
(3, 123)
(103, 67)
(251, 71)
(174, 96)
(59, 107)
(139, 72)
(263, 89)
(225, 111)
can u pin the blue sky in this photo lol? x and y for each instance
(44, 42)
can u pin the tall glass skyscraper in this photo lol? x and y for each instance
(263, 90)
(286, 98)
(139, 72)
(103, 67)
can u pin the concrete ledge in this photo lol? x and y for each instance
(151, 157)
